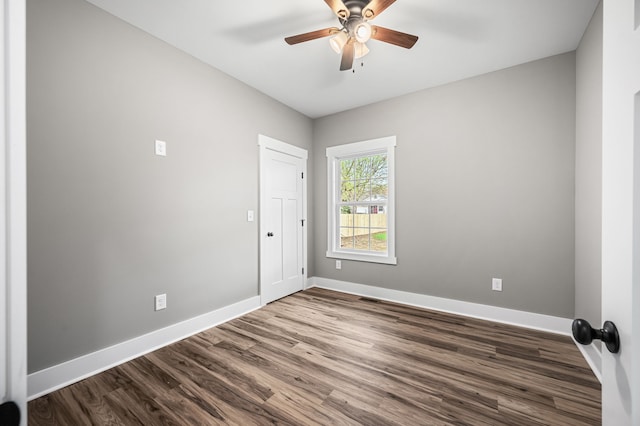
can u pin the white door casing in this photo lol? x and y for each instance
(13, 269)
(620, 218)
(282, 219)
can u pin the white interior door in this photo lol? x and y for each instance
(13, 215)
(621, 210)
(282, 216)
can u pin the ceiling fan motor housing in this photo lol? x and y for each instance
(355, 24)
(356, 6)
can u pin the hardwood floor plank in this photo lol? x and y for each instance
(47, 410)
(357, 410)
(235, 395)
(320, 357)
(366, 382)
(279, 374)
(90, 401)
(187, 410)
(220, 412)
(225, 371)
(128, 411)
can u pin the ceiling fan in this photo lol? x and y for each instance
(354, 16)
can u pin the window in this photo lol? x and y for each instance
(361, 201)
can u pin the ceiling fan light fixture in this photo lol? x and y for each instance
(361, 50)
(338, 41)
(362, 32)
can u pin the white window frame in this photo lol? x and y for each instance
(334, 155)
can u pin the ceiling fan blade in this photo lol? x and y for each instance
(376, 7)
(394, 37)
(326, 32)
(339, 8)
(348, 52)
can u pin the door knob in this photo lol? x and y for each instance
(584, 334)
(269, 234)
(9, 414)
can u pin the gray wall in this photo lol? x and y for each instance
(485, 184)
(589, 172)
(485, 188)
(110, 224)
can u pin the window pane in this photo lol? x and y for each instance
(346, 238)
(378, 220)
(346, 169)
(379, 189)
(362, 238)
(362, 189)
(361, 218)
(346, 217)
(379, 240)
(362, 168)
(368, 239)
(347, 191)
(379, 166)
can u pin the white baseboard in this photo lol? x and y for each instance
(593, 356)
(530, 320)
(50, 379)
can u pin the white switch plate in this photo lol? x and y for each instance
(161, 302)
(496, 284)
(161, 148)
(249, 215)
(338, 264)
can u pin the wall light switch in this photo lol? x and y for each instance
(338, 264)
(161, 148)
(496, 284)
(161, 302)
(249, 215)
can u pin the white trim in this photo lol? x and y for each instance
(363, 147)
(279, 146)
(50, 379)
(266, 142)
(530, 320)
(13, 240)
(593, 356)
(4, 302)
(309, 283)
(334, 153)
(369, 257)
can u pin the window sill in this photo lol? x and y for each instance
(371, 258)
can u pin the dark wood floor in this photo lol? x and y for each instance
(320, 357)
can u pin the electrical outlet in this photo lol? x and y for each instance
(161, 302)
(496, 284)
(161, 148)
(338, 264)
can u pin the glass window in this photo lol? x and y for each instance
(360, 198)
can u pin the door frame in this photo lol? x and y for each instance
(13, 194)
(267, 143)
(621, 210)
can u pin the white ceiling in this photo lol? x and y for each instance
(458, 39)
